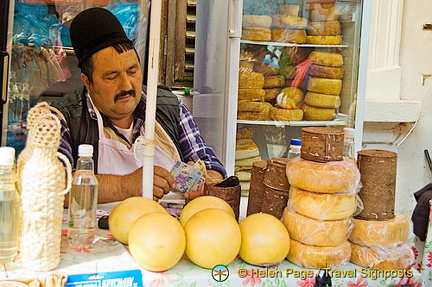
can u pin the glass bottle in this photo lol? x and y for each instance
(83, 199)
(9, 201)
(294, 149)
(349, 143)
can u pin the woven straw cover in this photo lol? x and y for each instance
(44, 182)
(42, 108)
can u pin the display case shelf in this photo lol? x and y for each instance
(280, 44)
(294, 123)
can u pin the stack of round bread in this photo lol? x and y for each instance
(256, 27)
(324, 27)
(322, 199)
(251, 105)
(245, 155)
(379, 237)
(288, 103)
(324, 86)
(381, 244)
(288, 29)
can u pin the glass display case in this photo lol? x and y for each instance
(266, 69)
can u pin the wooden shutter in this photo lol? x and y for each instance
(178, 43)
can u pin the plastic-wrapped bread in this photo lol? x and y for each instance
(324, 86)
(277, 114)
(317, 257)
(316, 232)
(280, 21)
(259, 21)
(324, 40)
(252, 95)
(287, 94)
(396, 258)
(323, 206)
(331, 177)
(311, 113)
(322, 100)
(381, 233)
(326, 58)
(326, 71)
(250, 80)
(256, 34)
(245, 148)
(321, 12)
(327, 28)
(274, 82)
(289, 36)
(247, 106)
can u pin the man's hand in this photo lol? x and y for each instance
(211, 174)
(163, 182)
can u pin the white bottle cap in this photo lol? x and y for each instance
(349, 132)
(7, 155)
(85, 150)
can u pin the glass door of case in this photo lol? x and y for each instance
(299, 66)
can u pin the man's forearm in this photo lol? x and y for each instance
(116, 188)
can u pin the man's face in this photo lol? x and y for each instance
(117, 79)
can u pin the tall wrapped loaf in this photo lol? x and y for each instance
(378, 177)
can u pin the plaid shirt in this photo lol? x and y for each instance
(192, 145)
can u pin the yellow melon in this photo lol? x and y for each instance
(212, 237)
(265, 240)
(157, 241)
(126, 212)
(201, 203)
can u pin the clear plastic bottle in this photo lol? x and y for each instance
(83, 199)
(349, 143)
(294, 149)
(9, 203)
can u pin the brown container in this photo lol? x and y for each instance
(378, 178)
(229, 194)
(322, 144)
(256, 189)
(275, 175)
(274, 201)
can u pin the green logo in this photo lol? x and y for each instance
(220, 273)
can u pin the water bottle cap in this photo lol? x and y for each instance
(349, 132)
(296, 142)
(7, 156)
(85, 150)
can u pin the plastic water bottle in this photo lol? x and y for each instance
(349, 143)
(83, 199)
(9, 206)
(294, 149)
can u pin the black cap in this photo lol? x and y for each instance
(95, 29)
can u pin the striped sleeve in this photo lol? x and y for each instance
(193, 145)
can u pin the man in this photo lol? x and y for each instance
(109, 114)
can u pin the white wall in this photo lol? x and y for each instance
(411, 138)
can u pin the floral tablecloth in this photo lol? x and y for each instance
(423, 253)
(108, 255)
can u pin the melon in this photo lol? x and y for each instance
(212, 237)
(265, 240)
(157, 241)
(201, 203)
(126, 212)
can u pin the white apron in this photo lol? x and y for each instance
(117, 159)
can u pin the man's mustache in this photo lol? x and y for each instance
(124, 93)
